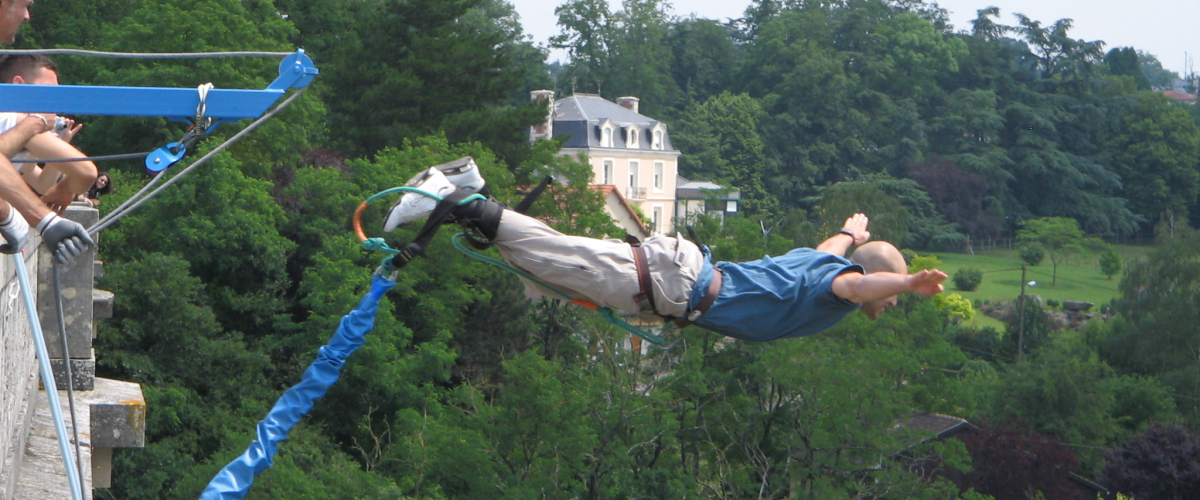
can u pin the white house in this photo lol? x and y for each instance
(627, 150)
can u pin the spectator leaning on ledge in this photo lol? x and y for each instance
(103, 185)
(67, 238)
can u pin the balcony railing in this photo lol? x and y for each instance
(635, 193)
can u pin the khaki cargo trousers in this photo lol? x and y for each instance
(600, 271)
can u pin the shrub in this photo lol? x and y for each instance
(924, 262)
(968, 279)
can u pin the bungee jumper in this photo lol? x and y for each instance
(800, 293)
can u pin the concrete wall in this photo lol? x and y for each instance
(18, 364)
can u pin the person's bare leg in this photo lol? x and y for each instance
(14, 190)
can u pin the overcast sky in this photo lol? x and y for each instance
(1165, 28)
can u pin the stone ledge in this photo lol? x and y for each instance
(102, 304)
(111, 416)
(118, 412)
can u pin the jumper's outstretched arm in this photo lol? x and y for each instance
(860, 288)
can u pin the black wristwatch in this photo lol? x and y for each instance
(847, 232)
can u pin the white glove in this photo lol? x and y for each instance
(15, 231)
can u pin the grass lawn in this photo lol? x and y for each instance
(1079, 280)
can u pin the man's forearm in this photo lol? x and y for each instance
(837, 244)
(14, 139)
(860, 288)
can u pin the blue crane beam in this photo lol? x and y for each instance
(295, 71)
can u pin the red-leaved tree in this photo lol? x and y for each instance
(957, 194)
(1010, 464)
(1163, 463)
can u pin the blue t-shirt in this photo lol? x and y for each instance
(774, 298)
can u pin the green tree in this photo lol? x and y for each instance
(1153, 69)
(1110, 261)
(1060, 59)
(420, 65)
(889, 219)
(163, 314)
(703, 54)
(1157, 153)
(722, 143)
(1063, 389)
(1031, 253)
(640, 58)
(1124, 61)
(1154, 334)
(587, 35)
(1060, 236)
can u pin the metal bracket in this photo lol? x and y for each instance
(164, 157)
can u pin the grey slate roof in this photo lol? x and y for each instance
(695, 190)
(579, 117)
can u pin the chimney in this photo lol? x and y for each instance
(628, 102)
(544, 130)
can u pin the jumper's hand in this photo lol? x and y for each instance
(857, 224)
(927, 282)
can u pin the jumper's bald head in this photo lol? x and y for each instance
(879, 256)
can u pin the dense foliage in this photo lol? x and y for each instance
(228, 282)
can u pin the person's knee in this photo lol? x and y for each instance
(81, 176)
(88, 172)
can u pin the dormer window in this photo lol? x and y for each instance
(631, 138)
(607, 130)
(656, 137)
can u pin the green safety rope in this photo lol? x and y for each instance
(373, 244)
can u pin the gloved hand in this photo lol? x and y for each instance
(15, 231)
(67, 238)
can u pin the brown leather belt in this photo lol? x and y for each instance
(645, 296)
(710, 296)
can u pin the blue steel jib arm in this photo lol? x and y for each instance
(295, 71)
(221, 105)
